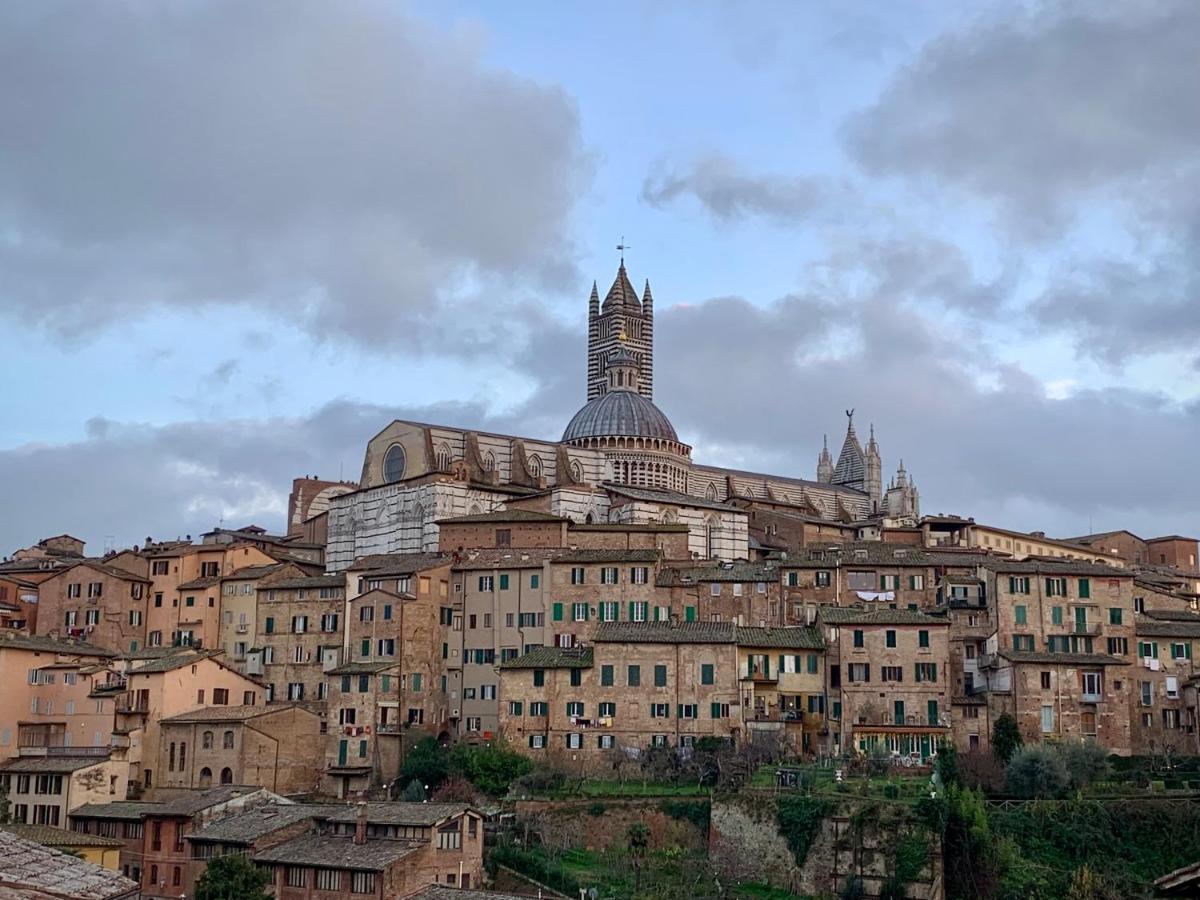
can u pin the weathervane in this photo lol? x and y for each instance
(623, 247)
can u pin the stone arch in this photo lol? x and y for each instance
(205, 777)
(227, 775)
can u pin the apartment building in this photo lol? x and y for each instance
(1060, 657)
(300, 632)
(44, 785)
(95, 602)
(18, 603)
(639, 684)
(120, 820)
(154, 689)
(888, 680)
(277, 747)
(1168, 643)
(745, 593)
(964, 599)
(48, 699)
(782, 674)
(589, 587)
(500, 609)
(238, 605)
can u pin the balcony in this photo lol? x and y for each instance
(101, 751)
(131, 707)
(792, 716)
(388, 728)
(118, 741)
(1089, 628)
(1091, 697)
(760, 677)
(988, 660)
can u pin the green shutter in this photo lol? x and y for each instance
(679, 711)
(631, 608)
(883, 582)
(504, 582)
(345, 684)
(557, 614)
(706, 673)
(587, 612)
(814, 664)
(1056, 615)
(933, 712)
(689, 614)
(716, 710)
(1085, 588)
(782, 667)
(385, 683)
(923, 638)
(1020, 612)
(533, 581)
(269, 625)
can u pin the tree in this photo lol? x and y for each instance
(1006, 737)
(1086, 761)
(4, 805)
(414, 792)
(1087, 885)
(233, 877)
(946, 763)
(491, 767)
(1038, 772)
(426, 762)
(639, 840)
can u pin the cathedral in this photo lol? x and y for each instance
(619, 461)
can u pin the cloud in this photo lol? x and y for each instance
(729, 194)
(347, 167)
(1039, 112)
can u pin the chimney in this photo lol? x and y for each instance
(360, 824)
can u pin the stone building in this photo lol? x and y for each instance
(300, 631)
(239, 608)
(620, 460)
(1059, 659)
(95, 602)
(119, 820)
(640, 684)
(1161, 720)
(382, 850)
(745, 593)
(277, 747)
(888, 680)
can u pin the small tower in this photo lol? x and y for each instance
(825, 462)
(874, 472)
(593, 360)
(903, 500)
(851, 467)
(621, 319)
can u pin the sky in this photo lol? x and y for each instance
(236, 240)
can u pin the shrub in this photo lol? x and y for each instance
(1086, 761)
(946, 763)
(1006, 737)
(799, 818)
(696, 812)
(491, 767)
(455, 789)
(981, 771)
(597, 809)
(427, 762)
(1038, 772)
(414, 792)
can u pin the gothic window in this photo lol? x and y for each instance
(590, 519)
(474, 510)
(489, 461)
(227, 776)
(710, 492)
(393, 464)
(535, 466)
(710, 537)
(443, 457)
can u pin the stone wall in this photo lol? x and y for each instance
(601, 824)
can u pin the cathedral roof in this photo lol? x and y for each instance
(620, 414)
(622, 293)
(851, 465)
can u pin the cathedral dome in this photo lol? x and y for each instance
(620, 413)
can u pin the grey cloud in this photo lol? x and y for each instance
(347, 167)
(728, 194)
(1036, 111)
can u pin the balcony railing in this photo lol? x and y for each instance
(131, 707)
(78, 751)
(758, 675)
(1092, 628)
(1088, 697)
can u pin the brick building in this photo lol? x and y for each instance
(888, 680)
(1168, 643)
(745, 593)
(277, 747)
(96, 602)
(300, 631)
(640, 684)
(44, 785)
(1060, 657)
(782, 674)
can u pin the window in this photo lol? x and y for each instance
(609, 575)
(575, 708)
(386, 647)
(1172, 687)
(688, 711)
(1085, 588)
(889, 582)
(890, 638)
(487, 584)
(578, 575)
(922, 638)
(660, 676)
(1118, 646)
(714, 589)
(504, 582)
(633, 676)
(892, 673)
(1018, 585)
(1045, 681)
(574, 741)
(539, 708)
(606, 676)
(449, 837)
(931, 711)
(1181, 651)
(579, 612)
(858, 672)
(1114, 615)
(1147, 693)
(1139, 604)
(916, 582)
(859, 638)
(639, 574)
(295, 690)
(660, 710)
(638, 610)
(1056, 587)
(1021, 612)
(329, 622)
(1148, 649)
(329, 880)
(606, 742)
(1091, 685)
(1022, 641)
(534, 581)
(822, 579)
(607, 708)
(1047, 719)
(299, 624)
(608, 611)
(537, 741)
(926, 672)
(221, 696)
(707, 676)
(720, 710)
(206, 740)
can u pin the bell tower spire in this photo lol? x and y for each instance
(621, 321)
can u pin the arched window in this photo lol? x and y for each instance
(206, 741)
(489, 461)
(590, 519)
(227, 740)
(227, 775)
(443, 457)
(710, 492)
(535, 465)
(474, 510)
(393, 463)
(576, 470)
(205, 777)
